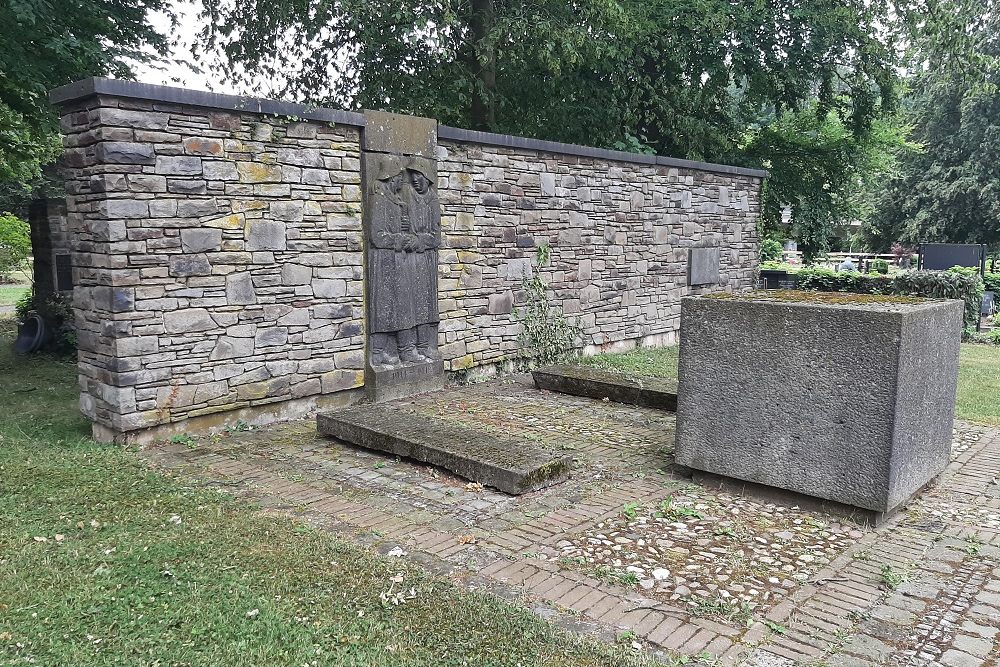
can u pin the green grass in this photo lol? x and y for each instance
(9, 294)
(979, 384)
(978, 375)
(104, 562)
(649, 362)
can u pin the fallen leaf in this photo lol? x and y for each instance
(467, 539)
(39, 538)
(253, 613)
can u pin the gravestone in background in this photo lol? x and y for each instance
(402, 224)
(848, 398)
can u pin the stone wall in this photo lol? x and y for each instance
(618, 232)
(217, 259)
(218, 249)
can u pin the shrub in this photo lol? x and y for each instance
(770, 251)
(929, 284)
(15, 243)
(880, 266)
(992, 282)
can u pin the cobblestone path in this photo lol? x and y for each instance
(630, 549)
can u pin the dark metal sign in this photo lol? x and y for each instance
(943, 256)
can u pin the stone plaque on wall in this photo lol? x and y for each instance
(703, 266)
(402, 219)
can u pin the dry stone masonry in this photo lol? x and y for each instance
(218, 249)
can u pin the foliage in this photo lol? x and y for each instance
(880, 266)
(770, 250)
(57, 312)
(806, 90)
(547, 335)
(992, 282)
(821, 166)
(48, 44)
(24, 305)
(15, 244)
(94, 542)
(950, 190)
(929, 284)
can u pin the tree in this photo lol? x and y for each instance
(949, 191)
(686, 78)
(49, 43)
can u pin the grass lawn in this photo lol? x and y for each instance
(978, 375)
(11, 292)
(103, 562)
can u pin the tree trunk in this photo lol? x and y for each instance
(482, 61)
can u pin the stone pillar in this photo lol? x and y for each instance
(402, 223)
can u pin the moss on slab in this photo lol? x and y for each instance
(820, 298)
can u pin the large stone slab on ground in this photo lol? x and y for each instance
(512, 466)
(579, 380)
(849, 398)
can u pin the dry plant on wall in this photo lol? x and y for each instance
(548, 336)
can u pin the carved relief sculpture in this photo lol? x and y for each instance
(404, 235)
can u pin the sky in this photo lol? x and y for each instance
(177, 71)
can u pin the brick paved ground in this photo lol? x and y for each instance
(630, 549)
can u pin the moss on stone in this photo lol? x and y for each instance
(820, 298)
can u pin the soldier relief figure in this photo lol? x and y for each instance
(405, 234)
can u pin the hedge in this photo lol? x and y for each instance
(992, 281)
(930, 284)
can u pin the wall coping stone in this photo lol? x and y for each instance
(94, 86)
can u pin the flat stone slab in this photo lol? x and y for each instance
(579, 380)
(511, 466)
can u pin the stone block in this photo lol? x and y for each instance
(239, 289)
(199, 146)
(219, 170)
(227, 347)
(395, 133)
(295, 274)
(514, 467)
(265, 235)
(178, 165)
(190, 265)
(201, 240)
(501, 304)
(188, 320)
(703, 266)
(849, 398)
(125, 152)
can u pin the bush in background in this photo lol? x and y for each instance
(15, 244)
(992, 282)
(929, 284)
(880, 266)
(770, 250)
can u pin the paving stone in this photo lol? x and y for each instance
(581, 380)
(510, 466)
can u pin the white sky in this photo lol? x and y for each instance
(178, 69)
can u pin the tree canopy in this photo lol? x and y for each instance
(49, 43)
(949, 190)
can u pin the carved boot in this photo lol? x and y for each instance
(382, 352)
(407, 343)
(427, 341)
